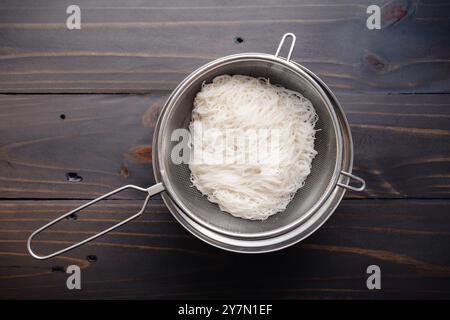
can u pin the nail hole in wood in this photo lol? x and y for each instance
(238, 40)
(73, 177)
(58, 269)
(72, 216)
(62, 116)
(91, 258)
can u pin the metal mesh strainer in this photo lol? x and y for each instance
(325, 169)
(193, 209)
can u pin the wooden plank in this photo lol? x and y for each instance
(155, 257)
(106, 140)
(141, 46)
(401, 144)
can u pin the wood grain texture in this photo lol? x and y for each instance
(401, 144)
(154, 257)
(105, 140)
(142, 46)
(64, 145)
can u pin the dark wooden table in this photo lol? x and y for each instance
(77, 114)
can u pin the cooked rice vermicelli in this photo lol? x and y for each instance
(240, 106)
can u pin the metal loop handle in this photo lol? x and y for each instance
(348, 186)
(153, 190)
(291, 49)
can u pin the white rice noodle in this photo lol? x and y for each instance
(240, 105)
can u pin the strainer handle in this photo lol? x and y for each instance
(153, 190)
(291, 49)
(362, 183)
